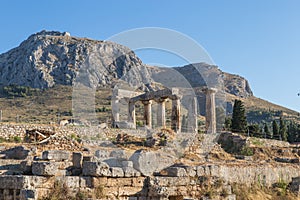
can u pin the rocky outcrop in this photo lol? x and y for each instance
(48, 58)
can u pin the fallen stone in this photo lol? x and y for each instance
(117, 172)
(77, 159)
(45, 168)
(57, 155)
(175, 172)
(127, 163)
(102, 154)
(120, 153)
(149, 162)
(114, 162)
(95, 169)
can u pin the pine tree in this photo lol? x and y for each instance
(283, 130)
(238, 121)
(275, 129)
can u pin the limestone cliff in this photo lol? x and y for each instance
(48, 58)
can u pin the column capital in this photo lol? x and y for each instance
(208, 90)
(145, 102)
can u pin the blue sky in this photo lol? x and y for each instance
(257, 39)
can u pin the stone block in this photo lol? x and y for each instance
(149, 162)
(131, 172)
(95, 169)
(26, 166)
(102, 154)
(117, 172)
(57, 155)
(11, 182)
(191, 171)
(175, 172)
(127, 163)
(114, 162)
(119, 153)
(72, 181)
(200, 171)
(45, 168)
(77, 159)
(85, 182)
(128, 191)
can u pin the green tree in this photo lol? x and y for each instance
(275, 129)
(227, 123)
(254, 130)
(292, 132)
(239, 121)
(283, 130)
(267, 131)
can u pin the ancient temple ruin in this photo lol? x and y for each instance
(160, 96)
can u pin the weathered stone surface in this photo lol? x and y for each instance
(127, 163)
(114, 162)
(102, 154)
(119, 153)
(130, 172)
(174, 172)
(95, 169)
(86, 181)
(57, 155)
(11, 182)
(117, 172)
(77, 159)
(149, 162)
(191, 171)
(45, 168)
(40, 52)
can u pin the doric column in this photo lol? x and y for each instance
(175, 119)
(161, 113)
(147, 112)
(131, 113)
(192, 115)
(115, 108)
(210, 110)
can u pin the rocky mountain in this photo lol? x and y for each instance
(49, 58)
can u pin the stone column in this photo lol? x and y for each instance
(115, 108)
(210, 110)
(175, 119)
(192, 115)
(161, 113)
(131, 113)
(147, 112)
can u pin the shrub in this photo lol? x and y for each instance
(247, 151)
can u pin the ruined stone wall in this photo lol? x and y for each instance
(8, 130)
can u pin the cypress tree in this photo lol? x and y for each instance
(238, 121)
(267, 131)
(275, 129)
(283, 130)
